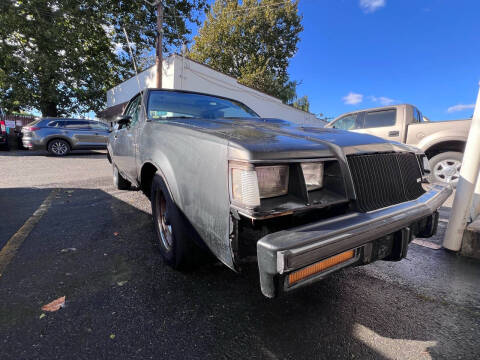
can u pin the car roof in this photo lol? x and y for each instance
(372, 109)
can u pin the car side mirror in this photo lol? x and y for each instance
(123, 120)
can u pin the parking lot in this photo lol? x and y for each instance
(95, 245)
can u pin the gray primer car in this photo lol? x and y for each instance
(303, 201)
(60, 136)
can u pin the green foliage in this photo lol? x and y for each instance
(61, 56)
(302, 103)
(252, 41)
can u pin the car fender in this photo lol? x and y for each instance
(49, 138)
(439, 137)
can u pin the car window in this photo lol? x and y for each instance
(348, 122)
(55, 124)
(380, 118)
(95, 125)
(135, 111)
(164, 105)
(77, 124)
(417, 116)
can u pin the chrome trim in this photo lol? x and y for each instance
(292, 249)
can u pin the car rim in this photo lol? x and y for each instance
(59, 148)
(115, 176)
(163, 225)
(448, 170)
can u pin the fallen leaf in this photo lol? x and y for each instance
(121, 283)
(55, 304)
(68, 250)
(112, 336)
(115, 233)
(42, 316)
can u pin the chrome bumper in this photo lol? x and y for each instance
(288, 250)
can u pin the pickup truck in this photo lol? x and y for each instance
(301, 202)
(443, 141)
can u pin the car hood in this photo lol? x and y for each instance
(264, 138)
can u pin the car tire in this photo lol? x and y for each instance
(175, 235)
(445, 167)
(119, 181)
(58, 147)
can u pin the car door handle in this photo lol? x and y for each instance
(393, 133)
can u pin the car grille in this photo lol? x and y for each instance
(385, 179)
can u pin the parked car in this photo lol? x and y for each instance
(3, 131)
(60, 136)
(3, 135)
(443, 142)
(305, 201)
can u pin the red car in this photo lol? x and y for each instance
(3, 135)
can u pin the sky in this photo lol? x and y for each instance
(356, 54)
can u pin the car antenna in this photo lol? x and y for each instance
(136, 72)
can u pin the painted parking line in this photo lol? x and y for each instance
(13, 244)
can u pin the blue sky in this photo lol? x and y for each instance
(357, 54)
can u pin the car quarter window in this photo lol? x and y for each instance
(55, 124)
(380, 118)
(348, 122)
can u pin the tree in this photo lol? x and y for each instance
(253, 42)
(302, 103)
(61, 56)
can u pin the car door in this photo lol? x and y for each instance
(79, 133)
(124, 150)
(100, 133)
(383, 123)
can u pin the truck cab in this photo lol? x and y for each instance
(442, 141)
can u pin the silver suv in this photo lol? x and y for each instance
(60, 136)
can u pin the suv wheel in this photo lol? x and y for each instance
(58, 147)
(174, 232)
(119, 181)
(445, 167)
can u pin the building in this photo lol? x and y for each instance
(185, 74)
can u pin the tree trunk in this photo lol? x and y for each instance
(49, 109)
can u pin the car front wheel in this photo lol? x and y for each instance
(174, 232)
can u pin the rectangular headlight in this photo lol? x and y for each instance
(313, 174)
(245, 186)
(272, 180)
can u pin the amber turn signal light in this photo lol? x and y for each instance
(320, 266)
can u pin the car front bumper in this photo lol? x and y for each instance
(285, 252)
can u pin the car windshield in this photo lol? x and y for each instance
(173, 104)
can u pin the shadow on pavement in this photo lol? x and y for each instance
(123, 302)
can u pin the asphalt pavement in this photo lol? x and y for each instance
(95, 245)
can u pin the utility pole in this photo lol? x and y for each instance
(159, 47)
(159, 58)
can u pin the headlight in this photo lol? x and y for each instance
(272, 180)
(249, 184)
(313, 174)
(245, 186)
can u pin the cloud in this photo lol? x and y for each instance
(370, 6)
(460, 107)
(382, 100)
(352, 98)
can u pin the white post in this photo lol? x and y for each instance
(475, 209)
(466, 185)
